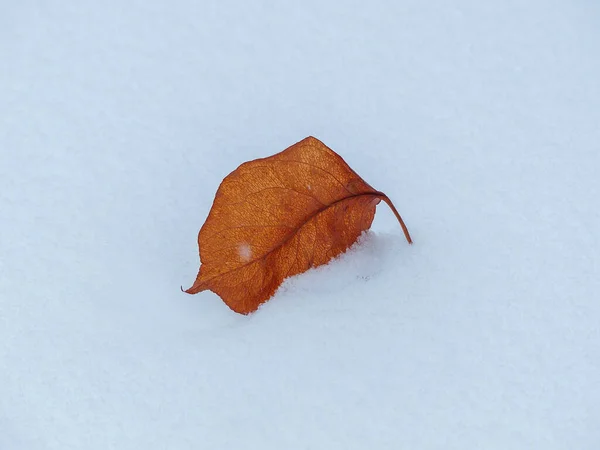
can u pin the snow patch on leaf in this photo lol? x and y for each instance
(245, 252)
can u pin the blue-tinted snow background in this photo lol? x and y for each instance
(480, 119)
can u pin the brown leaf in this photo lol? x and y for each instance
(276, 217)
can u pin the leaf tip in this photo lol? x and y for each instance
(194, 289)
(312, 139)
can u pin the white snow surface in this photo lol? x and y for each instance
(480, 119)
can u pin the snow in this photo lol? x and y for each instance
(245, 252)
(479, 120)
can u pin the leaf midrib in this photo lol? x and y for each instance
(291, 235)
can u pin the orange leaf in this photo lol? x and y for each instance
(276, 217)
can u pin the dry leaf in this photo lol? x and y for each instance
(276, 217)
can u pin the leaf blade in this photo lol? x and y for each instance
(276, 217)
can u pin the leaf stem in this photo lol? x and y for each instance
(386, 199)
